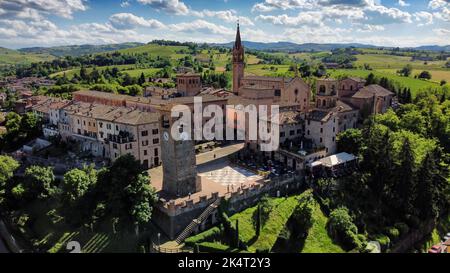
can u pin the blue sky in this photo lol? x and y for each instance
(26, 23)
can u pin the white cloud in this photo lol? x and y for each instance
(125, 4)
(131, 21)
(229, 16)
(442, 31)
(303, 18)
(437, 4)
(314, 17)
(424, 18)
(379, 14)
(168, 6)
(402, 3)
(270, 5)
(322, 34)
(371, 28)
(201, 26)
(32, 9)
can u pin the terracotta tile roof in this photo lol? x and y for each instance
(372, 90)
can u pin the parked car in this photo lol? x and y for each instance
(435, 249)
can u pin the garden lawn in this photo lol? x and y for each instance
(318, 240)
(278, 217)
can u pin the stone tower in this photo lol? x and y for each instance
(178, 158)
(326, 93)
(238, 61)
(189, 84)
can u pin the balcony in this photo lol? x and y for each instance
(121, 138)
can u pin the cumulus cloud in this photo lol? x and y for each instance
(125, 4)
(229, 16)
(370, 28)
(303, 18)
(402, 3)
(270, 5)
(201, 26)
(424, 18)
(131, 21)
(30, 9)
(168, 6)
(437, 4)
(379, 14)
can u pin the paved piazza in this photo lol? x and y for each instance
(216, 174)
(230, 175)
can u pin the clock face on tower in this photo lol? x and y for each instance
(166, 136)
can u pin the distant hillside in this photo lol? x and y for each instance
(12, 57)
(78, 50)
(293, 47)
(434, 48)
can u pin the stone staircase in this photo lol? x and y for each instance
(196, 222)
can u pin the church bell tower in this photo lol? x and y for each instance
(238, 61)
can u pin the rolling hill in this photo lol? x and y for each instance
(78, 50)
(13, 57)
(293, 47)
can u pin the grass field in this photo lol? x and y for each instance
(415, 84)
(12, 57)
(318, 240)
(266, 69)
(154, 50)
(436, 75)
(385, 61)
(131, 69)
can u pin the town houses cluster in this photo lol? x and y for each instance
(110, 125)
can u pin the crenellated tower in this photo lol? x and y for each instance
(238, 61)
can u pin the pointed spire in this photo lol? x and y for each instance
(238, 42)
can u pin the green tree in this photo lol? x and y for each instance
(39, 182)
(425, 75)
(405, 185)
(371, 79)
(74, 185)
(427, 197)
(406, 70)
(30, 125)
(141, 80)
(142, 197)
(414, 122)
(303, 213)
(350, 141)
(342, 228)
(7, 167)
(389, 119)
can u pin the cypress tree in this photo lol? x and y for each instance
(258, 221)
(425, 201)
(405, 182)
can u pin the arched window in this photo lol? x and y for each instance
(322, 89)
(296, 92)
(324, 103)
